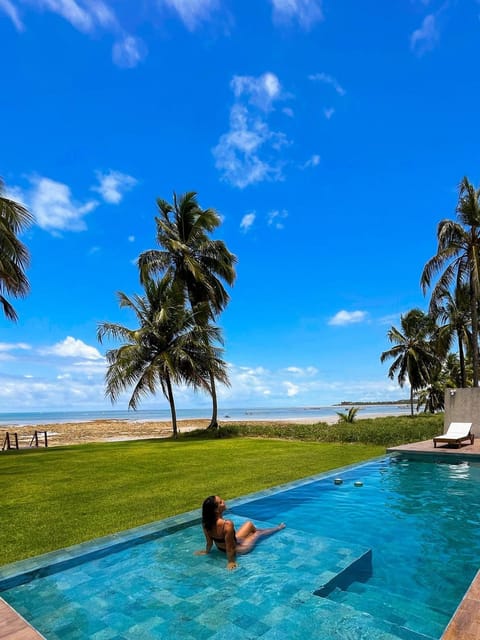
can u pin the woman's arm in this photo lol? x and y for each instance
(208, 545)
(231, 545)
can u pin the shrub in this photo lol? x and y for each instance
(386, 431)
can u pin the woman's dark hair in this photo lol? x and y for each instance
(209, 512)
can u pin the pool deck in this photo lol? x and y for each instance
(466, 450)
(13, 626)
(464, 625)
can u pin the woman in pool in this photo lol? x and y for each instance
(222, 532)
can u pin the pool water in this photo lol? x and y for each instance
(389, 559)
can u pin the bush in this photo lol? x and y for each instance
(387, 431)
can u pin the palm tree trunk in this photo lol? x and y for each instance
(411, 401)
(172, 407)
(213, 391)
(461, 356)
(474, 303)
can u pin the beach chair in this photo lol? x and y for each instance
(456, 433)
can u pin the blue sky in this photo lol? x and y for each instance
(329, 135)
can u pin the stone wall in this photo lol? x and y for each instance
(463, 405)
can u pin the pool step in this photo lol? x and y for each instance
(338, 572)
(322, 563)
(393, 608)
(336, 620)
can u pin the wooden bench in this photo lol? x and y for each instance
(13, 440)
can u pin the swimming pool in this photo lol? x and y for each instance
(389, 559)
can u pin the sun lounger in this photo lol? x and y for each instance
(456, 433)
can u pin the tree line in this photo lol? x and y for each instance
(438, 349)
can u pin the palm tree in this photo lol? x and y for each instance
(432, 397)
(14, 256)
(452, 373)
(458, 254)
(190, 258)
(168, 348)
(452, 311)
(413, 352)
(349, 416)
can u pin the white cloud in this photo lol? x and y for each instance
(292, 389)
(72, 374)
(302, 371)
(425, 38)
(53, 207)
(328, 79)
(314, 161)
(102, 14)
(192, 12)
(328, 113)
(275, 218)
(302, 386)
(347, 317)
(261, 91)
(128, 52)
(73, 348)
(9, 8)
(88, 17)
(307, 12)
(71, 11)
(113, 185)
(247, 221)
(84, 15)
(31, 394)
(249, 151)
(13, 346)
(131, 238)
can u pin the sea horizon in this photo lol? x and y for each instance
(24, 418)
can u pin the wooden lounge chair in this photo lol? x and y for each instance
(456, 433)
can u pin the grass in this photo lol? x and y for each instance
(53, 498)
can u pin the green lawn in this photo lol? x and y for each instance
(53, 498)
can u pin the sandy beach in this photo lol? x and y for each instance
(98, 431)
(117, 430)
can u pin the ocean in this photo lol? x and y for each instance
(224, 415)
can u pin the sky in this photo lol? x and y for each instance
(330, 136)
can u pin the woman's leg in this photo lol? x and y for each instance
(247, 529)
(246, 541)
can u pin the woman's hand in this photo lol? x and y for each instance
(232, 565)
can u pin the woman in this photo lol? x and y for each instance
(222, 532)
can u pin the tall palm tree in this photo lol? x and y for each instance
(458, 255)
(452, 311)
(190, 258)
(413, 353)
(14, 256)
(168, 348)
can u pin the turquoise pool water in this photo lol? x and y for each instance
(389, 559)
